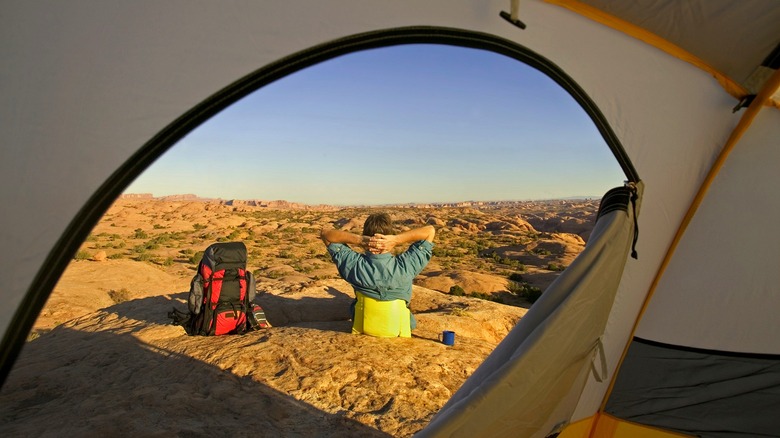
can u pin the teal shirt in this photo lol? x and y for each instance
(384, 277)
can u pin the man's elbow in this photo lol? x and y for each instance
(324, 236)
(431, 233)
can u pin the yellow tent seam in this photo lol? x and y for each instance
(642, 34)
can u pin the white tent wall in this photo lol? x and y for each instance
(720, 290)
(85, 84)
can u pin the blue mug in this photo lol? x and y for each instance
(447, 337)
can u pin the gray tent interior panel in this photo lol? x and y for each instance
(698, 392)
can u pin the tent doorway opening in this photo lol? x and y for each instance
(492, 152)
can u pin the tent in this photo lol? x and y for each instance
(680, 340)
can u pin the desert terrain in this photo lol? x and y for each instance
(104, 360)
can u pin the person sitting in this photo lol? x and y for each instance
(382, 281)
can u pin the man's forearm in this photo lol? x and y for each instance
(338, 236)
(380, 243)
(423, 233)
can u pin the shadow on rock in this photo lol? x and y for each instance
(319, 304)
(324, 304)
(74, 383)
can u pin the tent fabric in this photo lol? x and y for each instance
(94, 91)
(707, 28)
(529, 385)
(698, 392)
(725, 297)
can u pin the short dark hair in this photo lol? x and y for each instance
(378, 223)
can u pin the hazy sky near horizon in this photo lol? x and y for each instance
(414, 123)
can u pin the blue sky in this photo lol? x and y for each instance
(415, 123)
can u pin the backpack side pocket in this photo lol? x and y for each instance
(195, 300)
(251, 286)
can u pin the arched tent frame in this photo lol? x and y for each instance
(97, 205)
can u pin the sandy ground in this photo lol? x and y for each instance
(124, 370)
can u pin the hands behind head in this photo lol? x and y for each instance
(379, 243)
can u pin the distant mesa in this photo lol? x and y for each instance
(278, 204)
(187, 197)
(137, 196)
(551, 222)
(236, 203)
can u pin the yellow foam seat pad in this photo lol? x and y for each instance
(384, 319)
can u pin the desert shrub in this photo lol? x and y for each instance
(198, 227)
(555, 267)
(274, 274)
(195, 258)
(233, 235)
(457, 311)
(144, 257)
(480, 295)
(532, 294)
(457, 291)
(178, 235)
(140, 234)
(303, 269)
(160, 239)
(446, 252)
(467, 244)
(116, 255)
(119, 296)
(157, 227)
(515, 276)
(151, 245)
(483, 244)
(525, 290)
(82, 255)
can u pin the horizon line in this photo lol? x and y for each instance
(194, 197)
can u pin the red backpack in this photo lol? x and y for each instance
(221, 293)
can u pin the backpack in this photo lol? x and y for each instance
(221, 294)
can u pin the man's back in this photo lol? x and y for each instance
(382, 276)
